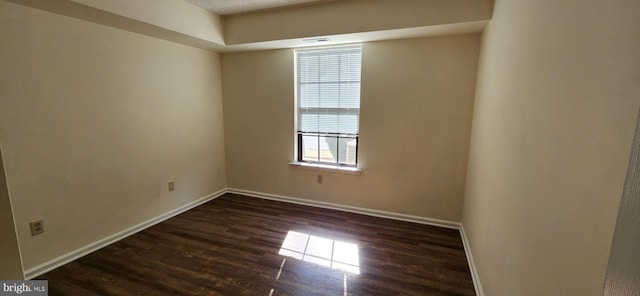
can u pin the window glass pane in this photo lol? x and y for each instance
(309, 148)
(328, 149)
(347, 150)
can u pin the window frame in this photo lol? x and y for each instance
(298, 134)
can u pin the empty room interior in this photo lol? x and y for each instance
(486, 152)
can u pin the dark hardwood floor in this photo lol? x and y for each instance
(231, 246)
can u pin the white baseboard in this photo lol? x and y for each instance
(73, 255)
(472, 264)
(358, 210)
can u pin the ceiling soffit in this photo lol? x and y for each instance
(181, 22)
(226, 7)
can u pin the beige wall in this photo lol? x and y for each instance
(555, 109)
(416, 105)
(95, 121)
(11, 267)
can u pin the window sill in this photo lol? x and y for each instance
(334, 168)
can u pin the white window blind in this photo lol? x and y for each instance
(329, 90)
(328, 100)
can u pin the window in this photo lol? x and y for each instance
(328, 105)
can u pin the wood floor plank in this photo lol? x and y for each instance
(231, 245)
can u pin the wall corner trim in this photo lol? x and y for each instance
(472, 265)
(75, 254)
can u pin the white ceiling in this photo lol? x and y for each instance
(224, 7)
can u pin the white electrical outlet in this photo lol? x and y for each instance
(37, 227)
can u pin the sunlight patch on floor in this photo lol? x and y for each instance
(322, 251)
